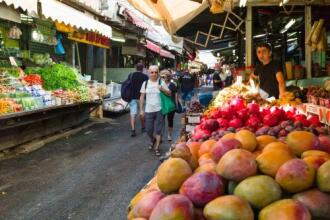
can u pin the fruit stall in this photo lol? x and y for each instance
(40, 101)
(245, 158)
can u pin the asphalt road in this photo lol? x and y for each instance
(90, 175)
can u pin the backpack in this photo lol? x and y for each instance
(126, 89)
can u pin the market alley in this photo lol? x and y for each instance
(90, 175)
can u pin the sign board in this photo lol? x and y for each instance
(90, 38)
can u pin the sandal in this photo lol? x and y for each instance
(157, 152)
(151, 146)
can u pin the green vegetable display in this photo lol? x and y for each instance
(11, 71)
(58, 76)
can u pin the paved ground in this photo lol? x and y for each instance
(91, 175)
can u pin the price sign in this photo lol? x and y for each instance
(190, 128)
(13, 61)
(194, 119)
(312, 109)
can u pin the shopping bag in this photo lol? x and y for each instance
(166, 103)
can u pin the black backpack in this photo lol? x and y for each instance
(126, 89)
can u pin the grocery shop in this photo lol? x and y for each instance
(34, 82)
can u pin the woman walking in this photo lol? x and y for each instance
(150, 95)
(167, 76)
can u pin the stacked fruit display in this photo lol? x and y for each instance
(318, 96)
(236, 115)
(237, 90)
(241, 177)
(289, 98)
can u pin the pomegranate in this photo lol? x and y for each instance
(237, 103)
(270, 120)
(223, 123)
(210, 125)
(253, 122)
(253, 108)
(227, 112)
(314, 120)
(243, 114)
(235, 123)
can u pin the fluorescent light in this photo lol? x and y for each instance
(259, 35)
(291, 34)
(118, 39)
(290, 23)
(292, 39)
(288, 26)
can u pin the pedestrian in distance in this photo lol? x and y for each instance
(167, 77)
(187, 82)
(150, 95)
(217, 83)
(137, 78)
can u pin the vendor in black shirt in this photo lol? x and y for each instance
(269, 72)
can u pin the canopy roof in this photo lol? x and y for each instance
(172, 13)
(30, 6)
(62, 13)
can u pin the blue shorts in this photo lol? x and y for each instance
(186, 96)
(134, 106)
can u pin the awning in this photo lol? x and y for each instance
(30, 6)
(173, 13)
(161, 36)
(136, 20)
(60, 12)
(10, 14)
(167, 54)
(155, 48)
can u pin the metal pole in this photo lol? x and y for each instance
(73, 54)
(104, 66)
(78, 57)
(248, 35)
(308, 51)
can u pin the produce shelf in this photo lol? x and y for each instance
(22, 127)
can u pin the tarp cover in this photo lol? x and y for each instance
(173, 13)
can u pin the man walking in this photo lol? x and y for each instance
(187, 82)
(137, 78)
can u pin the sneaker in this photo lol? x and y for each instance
(169, 138)
(143, 130)
(133, 134)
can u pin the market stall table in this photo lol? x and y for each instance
(22, 127)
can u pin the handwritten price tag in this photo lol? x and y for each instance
(194, 119)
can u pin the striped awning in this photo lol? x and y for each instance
(30, 6)
(63, 13)
(157, 49)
